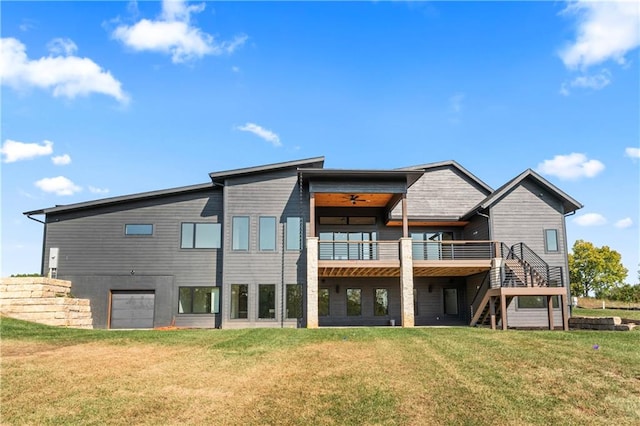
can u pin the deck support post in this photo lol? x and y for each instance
(503, 310)
(312, 282)
(565, 312)
(550, 311)
(492, 311)
(406, 282)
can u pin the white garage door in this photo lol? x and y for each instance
(132, 309)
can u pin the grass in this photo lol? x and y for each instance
(630, 314)
(385, 376)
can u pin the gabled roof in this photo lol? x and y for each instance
(569, 204)
(121, 199)
(219, 177)
(454, 164)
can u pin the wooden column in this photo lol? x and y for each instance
(503, 311)
(312, 214)
(492, 311)
(550, 311)
(565, 312)
(405, 219)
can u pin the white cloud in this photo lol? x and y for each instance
(58, 185)
(65, 75)
(605, 30)
(173, 34)
(572, 166)
(95, 190)
(624, 223)
(632, 152)
(261, 132)
(590, 219)
(61, 160)
(594, 81)
(62, 47)
(16, 151)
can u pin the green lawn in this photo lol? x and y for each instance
(622, 313)
(389, 376)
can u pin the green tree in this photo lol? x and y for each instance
(594, 269)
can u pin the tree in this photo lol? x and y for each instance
(594, 269)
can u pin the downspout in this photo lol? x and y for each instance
(44, 241)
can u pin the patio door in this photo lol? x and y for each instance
(451, 301)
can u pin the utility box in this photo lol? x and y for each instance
(53, 257)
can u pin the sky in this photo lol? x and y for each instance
(100, 99)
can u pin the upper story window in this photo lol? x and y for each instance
(200, 235)
(267, 238)
(240, 233)
(551, 240)
(138, 229)
(294, 233)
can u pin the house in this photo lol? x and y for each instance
(296, 245)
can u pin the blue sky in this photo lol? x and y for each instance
(102, 99)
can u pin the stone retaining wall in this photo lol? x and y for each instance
(600, 323)
(45, 301)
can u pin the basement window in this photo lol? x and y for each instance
(536, 302)
(199, 300)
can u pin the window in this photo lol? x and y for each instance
(294, 301)
(200, 235)
(551, 240)
(138, 229)
(266, 301)
(536, 302)
(323, 302)
(354, 302)
(199, 300)
(381, 302)
(267, 239)
(239, 301)
(430, 246)
(240, 233)
(293, 233)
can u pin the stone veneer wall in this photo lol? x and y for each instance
(43, 300)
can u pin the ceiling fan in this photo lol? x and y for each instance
(354, 198)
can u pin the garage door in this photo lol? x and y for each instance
(132, 309)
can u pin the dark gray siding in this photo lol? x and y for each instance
(338, 301)
(522, 215)
(477, 229)
(269, 194)
(443, 191)
(97, 257)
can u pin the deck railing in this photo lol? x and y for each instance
(358, 250)
(422, 250)
(453, 250)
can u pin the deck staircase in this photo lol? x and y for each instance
(520, 267)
